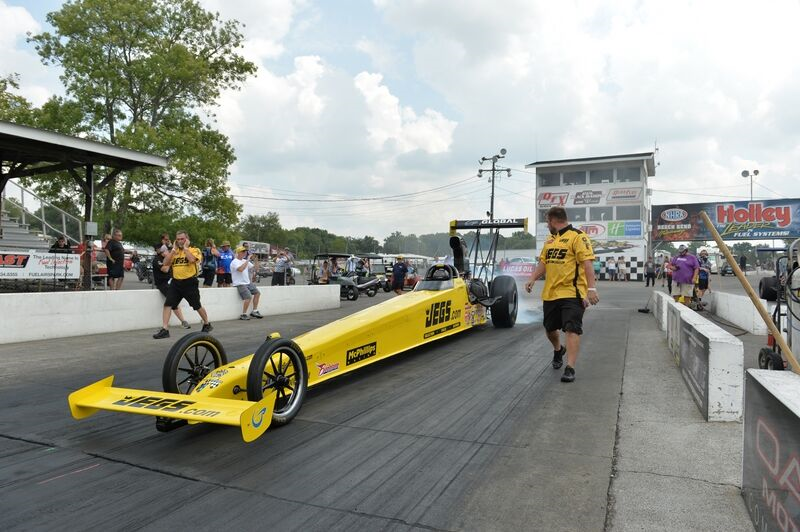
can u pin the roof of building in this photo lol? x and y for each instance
(25, 145)
(647, 157)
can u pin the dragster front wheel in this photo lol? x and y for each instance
(279, 364)
(188, 362)
(504, 311)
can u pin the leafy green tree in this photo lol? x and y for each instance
(141, 74)
(13, 107)
(263, 228)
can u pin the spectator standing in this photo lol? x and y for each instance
(279, 272)
(209, 267)
(569, 287)
(685, 269)
(61, 246)
(611, 268)
(650, 272)
(162, 276)
(184, 260)
(621, 268)
(115, 255)
(166, 242)
(743, 264)
(135, 258)
(248, 291)
(399, 271)
(703, 277)
(224, 259)
(667, 271)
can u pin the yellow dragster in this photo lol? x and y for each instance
(269, 386)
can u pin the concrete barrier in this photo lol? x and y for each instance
(660, 308)
(771, 449)
(710, 359)
(738, 310)
(40, 316)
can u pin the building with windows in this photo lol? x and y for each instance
(607, 198)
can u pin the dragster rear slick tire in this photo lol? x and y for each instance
(188, 362)
(281, 365)
(504, 311)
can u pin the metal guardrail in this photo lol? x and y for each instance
(31, 210)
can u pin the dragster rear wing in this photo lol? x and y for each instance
(499, 223)
(252, 418)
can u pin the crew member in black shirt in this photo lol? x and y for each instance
(116, 259)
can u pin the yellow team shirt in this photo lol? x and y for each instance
(563, 255)
(181, 267)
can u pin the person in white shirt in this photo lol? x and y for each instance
(240, 277)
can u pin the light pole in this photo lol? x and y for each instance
(746, 174)
(494, 159)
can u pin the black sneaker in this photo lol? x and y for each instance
(244, 317)
(256, 314)
(162, 333)
(207, 327)
(558, 357)
(569, 374)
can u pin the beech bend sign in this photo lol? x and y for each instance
(737, 220)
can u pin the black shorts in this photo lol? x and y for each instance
(208, 277)
(398, 284)
(278, 278)
(188, 289)
(563, 314)
(702, 284)
(224, 278)
(115, 271)
(163, 288)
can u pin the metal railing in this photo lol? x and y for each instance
(32, 211)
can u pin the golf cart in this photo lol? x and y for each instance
(349, 284)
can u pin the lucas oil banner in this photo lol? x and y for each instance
(735, 220)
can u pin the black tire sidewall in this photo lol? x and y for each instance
(504, 287)
(256, 370)
(168, 374)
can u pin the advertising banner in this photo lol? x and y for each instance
(737, 220)
(770, 461)
(614, 229)
(624, 195)
(39, 265)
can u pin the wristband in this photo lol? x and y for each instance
(592, 289)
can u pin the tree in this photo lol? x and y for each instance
(141, 73)
(263, 228)
(13, 107)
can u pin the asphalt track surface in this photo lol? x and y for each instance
(474, 432)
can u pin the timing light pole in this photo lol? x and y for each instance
(494, 159)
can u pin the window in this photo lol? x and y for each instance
(575, 178)
(629, 212)
(552, 179)
(601, 214)
(628, 174)
(576, 215)
(597, 177)
(542, 216)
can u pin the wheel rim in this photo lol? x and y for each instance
(195, 363)
(282, 374)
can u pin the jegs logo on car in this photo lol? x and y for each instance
(438, 313)
(154, 403)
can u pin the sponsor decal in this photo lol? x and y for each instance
(674, 215)
(555, 254)
(258, 418)
(219, 373)
(624, 195)
(153, 402)
(553, 199)
(519, 268)
(441, 330)
(593, 229)
(14, 260)
(780, 486)
(587, 197)
(360, 353)
(325, 368)
(438, 313)
(631, 228)
(209, 383)
(309, 357)
(754, 213)
(201, 412)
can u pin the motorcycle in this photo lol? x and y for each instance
(144, 271)
(365, 283)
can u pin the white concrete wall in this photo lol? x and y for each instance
(660, 308)
(40, 316)
(725, 363)
(738, 310)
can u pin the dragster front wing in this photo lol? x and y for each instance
(252, 418)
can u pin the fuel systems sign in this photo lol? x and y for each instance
(737, 220)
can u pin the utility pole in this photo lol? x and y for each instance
(494, 159)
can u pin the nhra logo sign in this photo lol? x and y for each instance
(587, 197)
(593, 230)
(361, 353)
(674, 215)
(553, 199)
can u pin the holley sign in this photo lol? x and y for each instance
(738, 220)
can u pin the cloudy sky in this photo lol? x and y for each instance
(394, 101)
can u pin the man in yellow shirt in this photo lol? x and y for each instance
(184, 260)
(569, 287)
